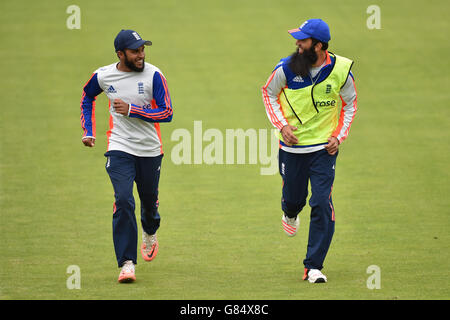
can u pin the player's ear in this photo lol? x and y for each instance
(120, 54)
(318, 46)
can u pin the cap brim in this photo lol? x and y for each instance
(298, 34)
(140, 43)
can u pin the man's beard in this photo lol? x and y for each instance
(132, 66)
(301, 63)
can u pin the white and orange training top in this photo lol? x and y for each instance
(148, 95)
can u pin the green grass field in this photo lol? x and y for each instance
(221, 235)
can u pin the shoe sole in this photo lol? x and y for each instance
(318, 280)
(127, 279)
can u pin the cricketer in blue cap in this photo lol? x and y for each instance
(139, 101)
(310, 97)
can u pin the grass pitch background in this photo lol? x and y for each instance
(220, 236)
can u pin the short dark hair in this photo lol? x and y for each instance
(316, 41)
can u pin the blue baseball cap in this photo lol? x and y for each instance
(312, 28)
(129, 39)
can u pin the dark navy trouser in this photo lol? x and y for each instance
(124, 169)
(297, 170)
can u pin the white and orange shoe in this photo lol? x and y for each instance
(127, 274)
(149, 246)
(314, 276)
(290, 225)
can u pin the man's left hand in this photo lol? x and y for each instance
(333, 146)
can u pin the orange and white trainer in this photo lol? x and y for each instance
(314, 276)
(127, 273)
(290, 225)
(149, 246)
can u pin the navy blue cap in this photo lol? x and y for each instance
(129, 39)
(312, 28)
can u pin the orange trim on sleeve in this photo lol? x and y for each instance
(341, 117)
(268, 105)
(83, 121)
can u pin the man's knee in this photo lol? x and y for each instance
(124, 200)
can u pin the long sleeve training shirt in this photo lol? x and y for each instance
(146, 92)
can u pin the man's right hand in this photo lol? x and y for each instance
(288, 136)
(89, 142)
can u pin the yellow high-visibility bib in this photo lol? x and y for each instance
(315, 109)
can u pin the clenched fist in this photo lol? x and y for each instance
(121, 107)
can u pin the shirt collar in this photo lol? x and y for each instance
(326, 62)
(328, 59)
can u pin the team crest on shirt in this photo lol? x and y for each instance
(140, 88)
(328, 88)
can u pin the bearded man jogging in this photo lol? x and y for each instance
(310, 97)
(139, 100)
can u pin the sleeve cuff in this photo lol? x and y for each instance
(85, 137)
